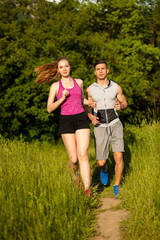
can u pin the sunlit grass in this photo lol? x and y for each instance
(39, 198)
(141, 188)
(140, 185)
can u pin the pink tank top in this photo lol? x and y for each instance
(73, 103)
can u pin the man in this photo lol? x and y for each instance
(108, 128)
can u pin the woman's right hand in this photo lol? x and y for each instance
(92, 104)
(65, 93)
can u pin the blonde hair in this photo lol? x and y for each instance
(48, 72)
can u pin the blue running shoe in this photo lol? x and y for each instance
(116, 190)
(104, 176)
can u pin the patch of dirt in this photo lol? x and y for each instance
(109, 220)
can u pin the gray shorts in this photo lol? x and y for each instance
(104, 136)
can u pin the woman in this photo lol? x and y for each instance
(73, 124)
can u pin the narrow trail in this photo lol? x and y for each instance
(109, 219)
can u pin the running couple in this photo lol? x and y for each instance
(74, 125)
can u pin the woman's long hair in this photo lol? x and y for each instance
(48, 72)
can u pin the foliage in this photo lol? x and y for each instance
(25, 113)
(124, 33)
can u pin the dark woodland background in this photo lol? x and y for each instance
(124, 33)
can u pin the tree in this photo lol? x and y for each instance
(35, 32)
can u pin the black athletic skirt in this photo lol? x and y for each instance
(71, 123)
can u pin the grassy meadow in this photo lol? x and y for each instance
(141, 187)
(40, 200)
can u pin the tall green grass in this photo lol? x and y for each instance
(140, 191)
(39, 198)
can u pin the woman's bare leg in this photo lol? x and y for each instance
(82, 140)
(77, 148)
(71, 147)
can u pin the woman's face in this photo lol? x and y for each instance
(64, 68)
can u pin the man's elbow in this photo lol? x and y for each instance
(125, 105)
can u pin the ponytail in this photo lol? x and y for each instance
(48, 72)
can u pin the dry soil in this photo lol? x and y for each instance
(109, 219)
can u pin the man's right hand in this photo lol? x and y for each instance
(95, 120)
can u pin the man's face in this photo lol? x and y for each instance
(101, 71)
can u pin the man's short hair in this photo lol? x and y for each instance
(99, 62)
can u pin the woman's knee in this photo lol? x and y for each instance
(73, 160)
(83, 156)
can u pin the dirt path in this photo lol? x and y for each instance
(109, 220)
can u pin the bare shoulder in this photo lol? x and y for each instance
(54, 87)
(79, 82)
(87, 90)
(119, 89)
(88, 94)
(120, 96)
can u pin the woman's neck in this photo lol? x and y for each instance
(67, 82)
(66, 79)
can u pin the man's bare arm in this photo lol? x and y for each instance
(121, 102)
(88, 110)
